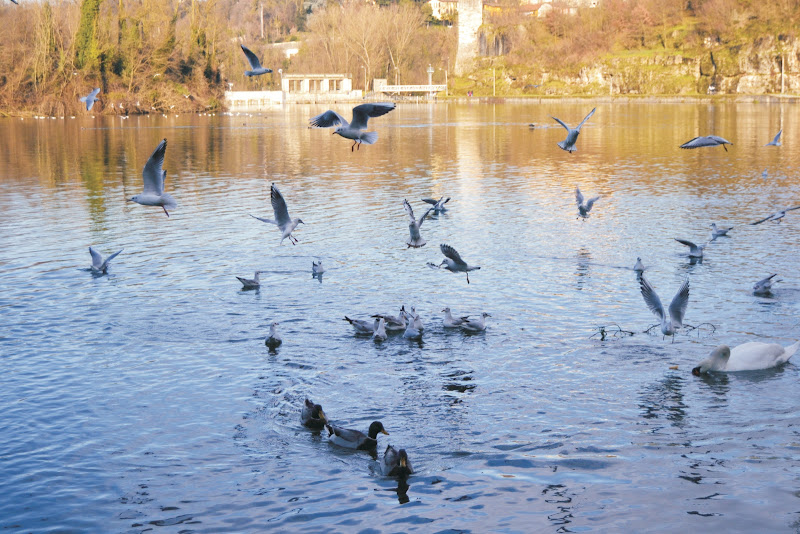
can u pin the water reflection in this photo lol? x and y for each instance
(665, 399)
(583, 267)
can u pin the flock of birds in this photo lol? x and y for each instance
(748, 356)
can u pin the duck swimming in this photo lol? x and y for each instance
(312, 416)
(395, 463)
(353, 439)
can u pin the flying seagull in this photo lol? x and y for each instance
(568, 144)
(415, 240)
(90, 98)
(452, 261)
(775, 216)
(671, 319)
(255, 64)
(707, 140)
(100, 266)
(438, 205)
(281, 213)
(776, 141)
(353, 129)
(584, 207)
(153, 176)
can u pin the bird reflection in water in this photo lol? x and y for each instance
(584, 258)
(558, 494)
(665, 399)
(402, 490)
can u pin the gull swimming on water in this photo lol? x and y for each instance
(317, 268)
(412, 330)
(153, 176)
(568, 144)
(415, 240)
(100, 266)
(380, 331)
(707, 140)
(719, 232)
(281, 213)
(353, 129)
(695, 251)
(453, 262)
(776, 141)
(250, 283)
(476, 325)
(89, 99)
(273, 341)
(438, 205)
(394, 324)
(363, 327)
(255, 64)
(671, 319)
(584, 207)
(764, 287)
(638, 266)
(751, 356)
(451, 322)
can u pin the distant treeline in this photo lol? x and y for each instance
(181, 55)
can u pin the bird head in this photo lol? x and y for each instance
(134, 198)
(337, 131)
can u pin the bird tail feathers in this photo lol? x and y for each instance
(369, 138)
(563, 146)
(790, 350)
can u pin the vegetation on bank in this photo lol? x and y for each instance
(179, 55)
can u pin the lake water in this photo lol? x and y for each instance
(146, 400)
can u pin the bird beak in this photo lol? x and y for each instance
(402, 462)
(333, 132)
(128, 200)
(384, 432)
(323, 416)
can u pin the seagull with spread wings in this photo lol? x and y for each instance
(438, 205)
(281, 213)
(255, 64)
(90, 99)
(671, 318)
(353, 130)
(99, 265)
(707, 140)
(776, 141)
(415, 240)
(452, 261)
(568, 144)
(153, 176)
(775, 217)
(695, 251)
(584, 207)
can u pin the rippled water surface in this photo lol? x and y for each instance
(147, 400)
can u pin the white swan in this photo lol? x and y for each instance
(750, 356)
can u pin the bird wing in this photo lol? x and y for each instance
(279, 206)
(152, 174)
(559, 121)
(692, 247)
(429, 201)
(578, 196)
(651, 298)
(251, 57)
(677, 308)
(270, 221)
(586, 118)
(591, 201)
(425, 215)
(777, 138)
(451, 253)
(362, 113)
(327, 119)
(108, 259)
(410, 211)
(97, 91)
(97, 259)
(792, 209)
(698, 142)
(768, 217)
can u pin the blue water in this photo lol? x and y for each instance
(146, 400)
